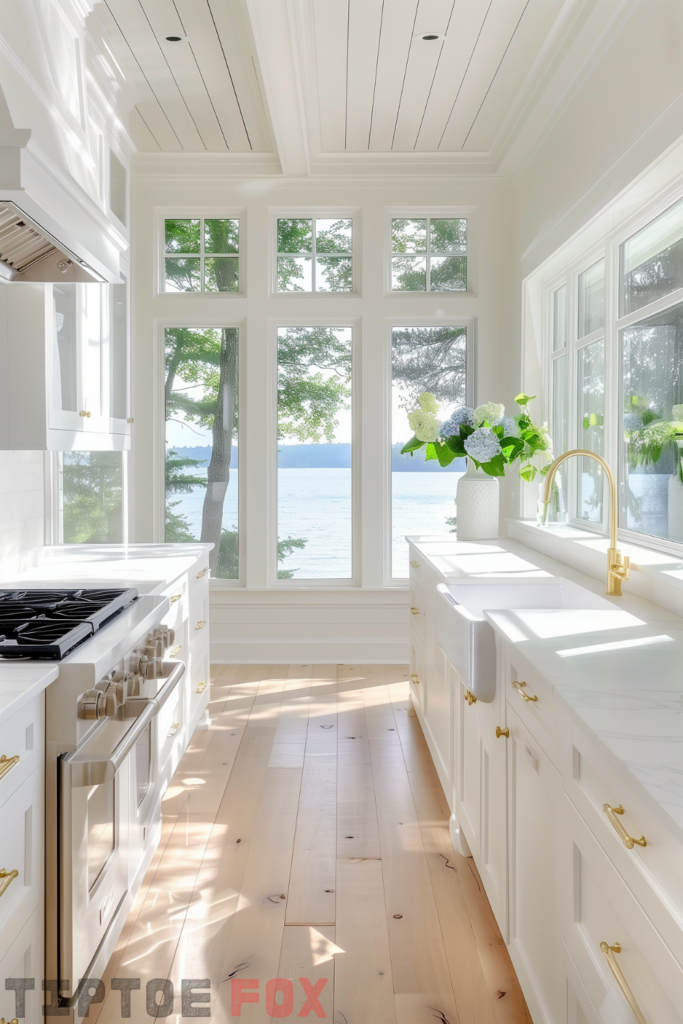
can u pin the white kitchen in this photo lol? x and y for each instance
(341, 511)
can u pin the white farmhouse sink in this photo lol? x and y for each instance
(542, 610)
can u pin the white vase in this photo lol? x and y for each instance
(676, 503)
(477, 501)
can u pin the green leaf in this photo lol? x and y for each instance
(495, 466)
(445, 455)
(432, 452)
(411, 446)
(456, 445)
(522, 399)
(528, 473)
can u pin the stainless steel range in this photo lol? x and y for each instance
(111, 721)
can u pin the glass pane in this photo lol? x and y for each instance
(314, 460)
(117, 187)
(92, 497)
(118, 352)
(222, 274)
(202, 395)
(652, 441)
(652, 261)
(334, 235)
(557, 510)
(64, 298)
(409, 273)
(560, 318)
(295, 273)
(182, 236)
(591, 428)
(423, 494)
(100, 829)
(448, 236)
(448, 274)
(408, 235)
(143, 762)
(592, 299)
(334, 274)
(184, 275)
(221, 236)
(294, 235)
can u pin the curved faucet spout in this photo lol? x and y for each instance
(618, 567)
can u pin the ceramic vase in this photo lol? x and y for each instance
(676, 502)
(478, 501)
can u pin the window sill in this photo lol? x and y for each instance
(656, 575)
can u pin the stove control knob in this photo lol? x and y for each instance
(131, 681)
(95, 704)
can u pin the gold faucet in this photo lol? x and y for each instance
(618, 565)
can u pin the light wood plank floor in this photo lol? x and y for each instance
(305, 836)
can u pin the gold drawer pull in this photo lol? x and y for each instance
(175, 651)
(470, 698)
(14, 1020)
(415, 565)
(502, 732)
(7, 879)
(614, 967)
(414, 611)
(628, 841)
(415, 679)
(202, 572)
(174, 729)
(200, 687)
(200, 624)
(176, 597)
(528, 698)
(7, 764)
(84, 414)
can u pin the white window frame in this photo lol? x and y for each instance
(162, 214)
(159, 430)
(316, 213)
(467, 213)
(470, 323)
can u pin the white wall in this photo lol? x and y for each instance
(367, 623)
(21, 509)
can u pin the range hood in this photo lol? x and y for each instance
(30, 253)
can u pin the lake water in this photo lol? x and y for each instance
(315, 504)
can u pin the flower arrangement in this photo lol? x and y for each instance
(485, 435)
(647, 434)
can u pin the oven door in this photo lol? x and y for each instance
(108, 800)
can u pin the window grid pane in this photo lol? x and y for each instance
(315, 254)
(592, 299)
(429, 254)
(92, 497)
(652, 261)
(205, 255)
(591, 395)
(560, 437)
(560, 318)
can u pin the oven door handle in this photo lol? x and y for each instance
(91, 770)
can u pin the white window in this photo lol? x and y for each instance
(429, 254)
(202, 254)
(315, 254)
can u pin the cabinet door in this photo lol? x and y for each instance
(24, 959)
(65, 393)
(94, 347)
(468, 768)
(534, 799)
(492, 855)
(118, 362)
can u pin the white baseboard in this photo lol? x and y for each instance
(303, 652)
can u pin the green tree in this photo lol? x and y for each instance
(92, 488)
(314, 382)
(429, 359)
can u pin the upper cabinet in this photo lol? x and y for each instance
(65, 354)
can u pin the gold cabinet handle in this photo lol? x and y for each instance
(415, 565)
(628, 841)
(415, 679)
(176, 597)
(502, 732)
(7, 764)
(202, 572)
(200, 687)
(84, 414)
(6, 879)
(470, 698)
(130, 419)
(174, 729)
(200, 624)
(175, 651)
(528, 698)
(14, 1020)
(414, 611)
(614, 967)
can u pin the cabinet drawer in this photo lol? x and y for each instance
(653, 872)
(198, 618)
(599, 912)
(177, 594)
(24, 959)
(532, 699)
(21, 857)
(418, 612)
(198, 575)
(22, 743)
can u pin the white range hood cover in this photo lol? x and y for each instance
(30, 253)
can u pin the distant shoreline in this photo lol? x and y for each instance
(329, 456)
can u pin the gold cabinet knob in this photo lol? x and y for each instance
(84, 414)
(176, 597)
(202, 572)
(131, 419)
(528, 698)
(415, 679)
(628, 841)
(415, 565)
(14, 1020)
(6, 879)
(200, 624)
(502, 732)
(174, 729)
(7, 764)
(470, 698)
(414, 611)
(175, 651)
(200, 687)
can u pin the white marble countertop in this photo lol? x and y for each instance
(623, 687)
(149, 567)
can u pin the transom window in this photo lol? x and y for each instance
(429, 254)
(314, 254)
(202, 255)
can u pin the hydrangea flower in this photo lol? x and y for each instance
(424, 425)
(489, 411)
(509, 426)
(428, 402)
(482, 445)
(633, 421)
(455, 421)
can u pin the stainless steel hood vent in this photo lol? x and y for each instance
(30, 253)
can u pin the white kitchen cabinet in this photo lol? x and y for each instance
(65, 350)
(24, 959)
(493, 842)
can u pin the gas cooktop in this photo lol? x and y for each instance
(51, 623)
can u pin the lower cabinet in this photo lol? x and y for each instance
(24, 961)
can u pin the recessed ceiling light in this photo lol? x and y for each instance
(429, 37)
(173, 38)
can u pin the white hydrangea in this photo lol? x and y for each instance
(428, 402)
(424, 425)
(482, 445)
(490, 412)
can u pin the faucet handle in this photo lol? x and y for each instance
(622, 567)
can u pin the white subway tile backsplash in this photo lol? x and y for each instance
(22, 527)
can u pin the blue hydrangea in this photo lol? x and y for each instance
(509, 426)
(633, 421)
(462, 415)
(482, 445)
